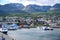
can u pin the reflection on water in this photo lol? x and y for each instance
(35, 34)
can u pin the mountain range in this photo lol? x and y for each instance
(31, 8)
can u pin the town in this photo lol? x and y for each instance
(26, 22)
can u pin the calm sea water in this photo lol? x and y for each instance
(35, 34)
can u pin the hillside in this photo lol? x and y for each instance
(17, 9)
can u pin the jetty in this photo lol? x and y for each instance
(5, 37)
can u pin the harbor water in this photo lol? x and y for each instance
(35, 34)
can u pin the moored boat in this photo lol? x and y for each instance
(48, 28)
(45, 28)
(4, 29)
(12, 26)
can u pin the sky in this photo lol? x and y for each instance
(27, 2)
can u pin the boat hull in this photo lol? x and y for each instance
(48, 29)
(5, 32)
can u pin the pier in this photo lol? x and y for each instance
(5, 37)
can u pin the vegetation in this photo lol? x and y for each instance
(33, 15)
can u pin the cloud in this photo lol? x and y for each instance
(57, 1)
(27, 2)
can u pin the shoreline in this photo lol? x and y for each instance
(55, 27)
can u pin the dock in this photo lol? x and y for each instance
(5, 37)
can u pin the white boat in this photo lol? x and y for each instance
(12, 26)
(4, 29)
(45, 28)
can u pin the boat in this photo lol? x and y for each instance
(12, 26)
(4, 29)
(45, 28)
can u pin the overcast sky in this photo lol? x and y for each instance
(27, 2)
